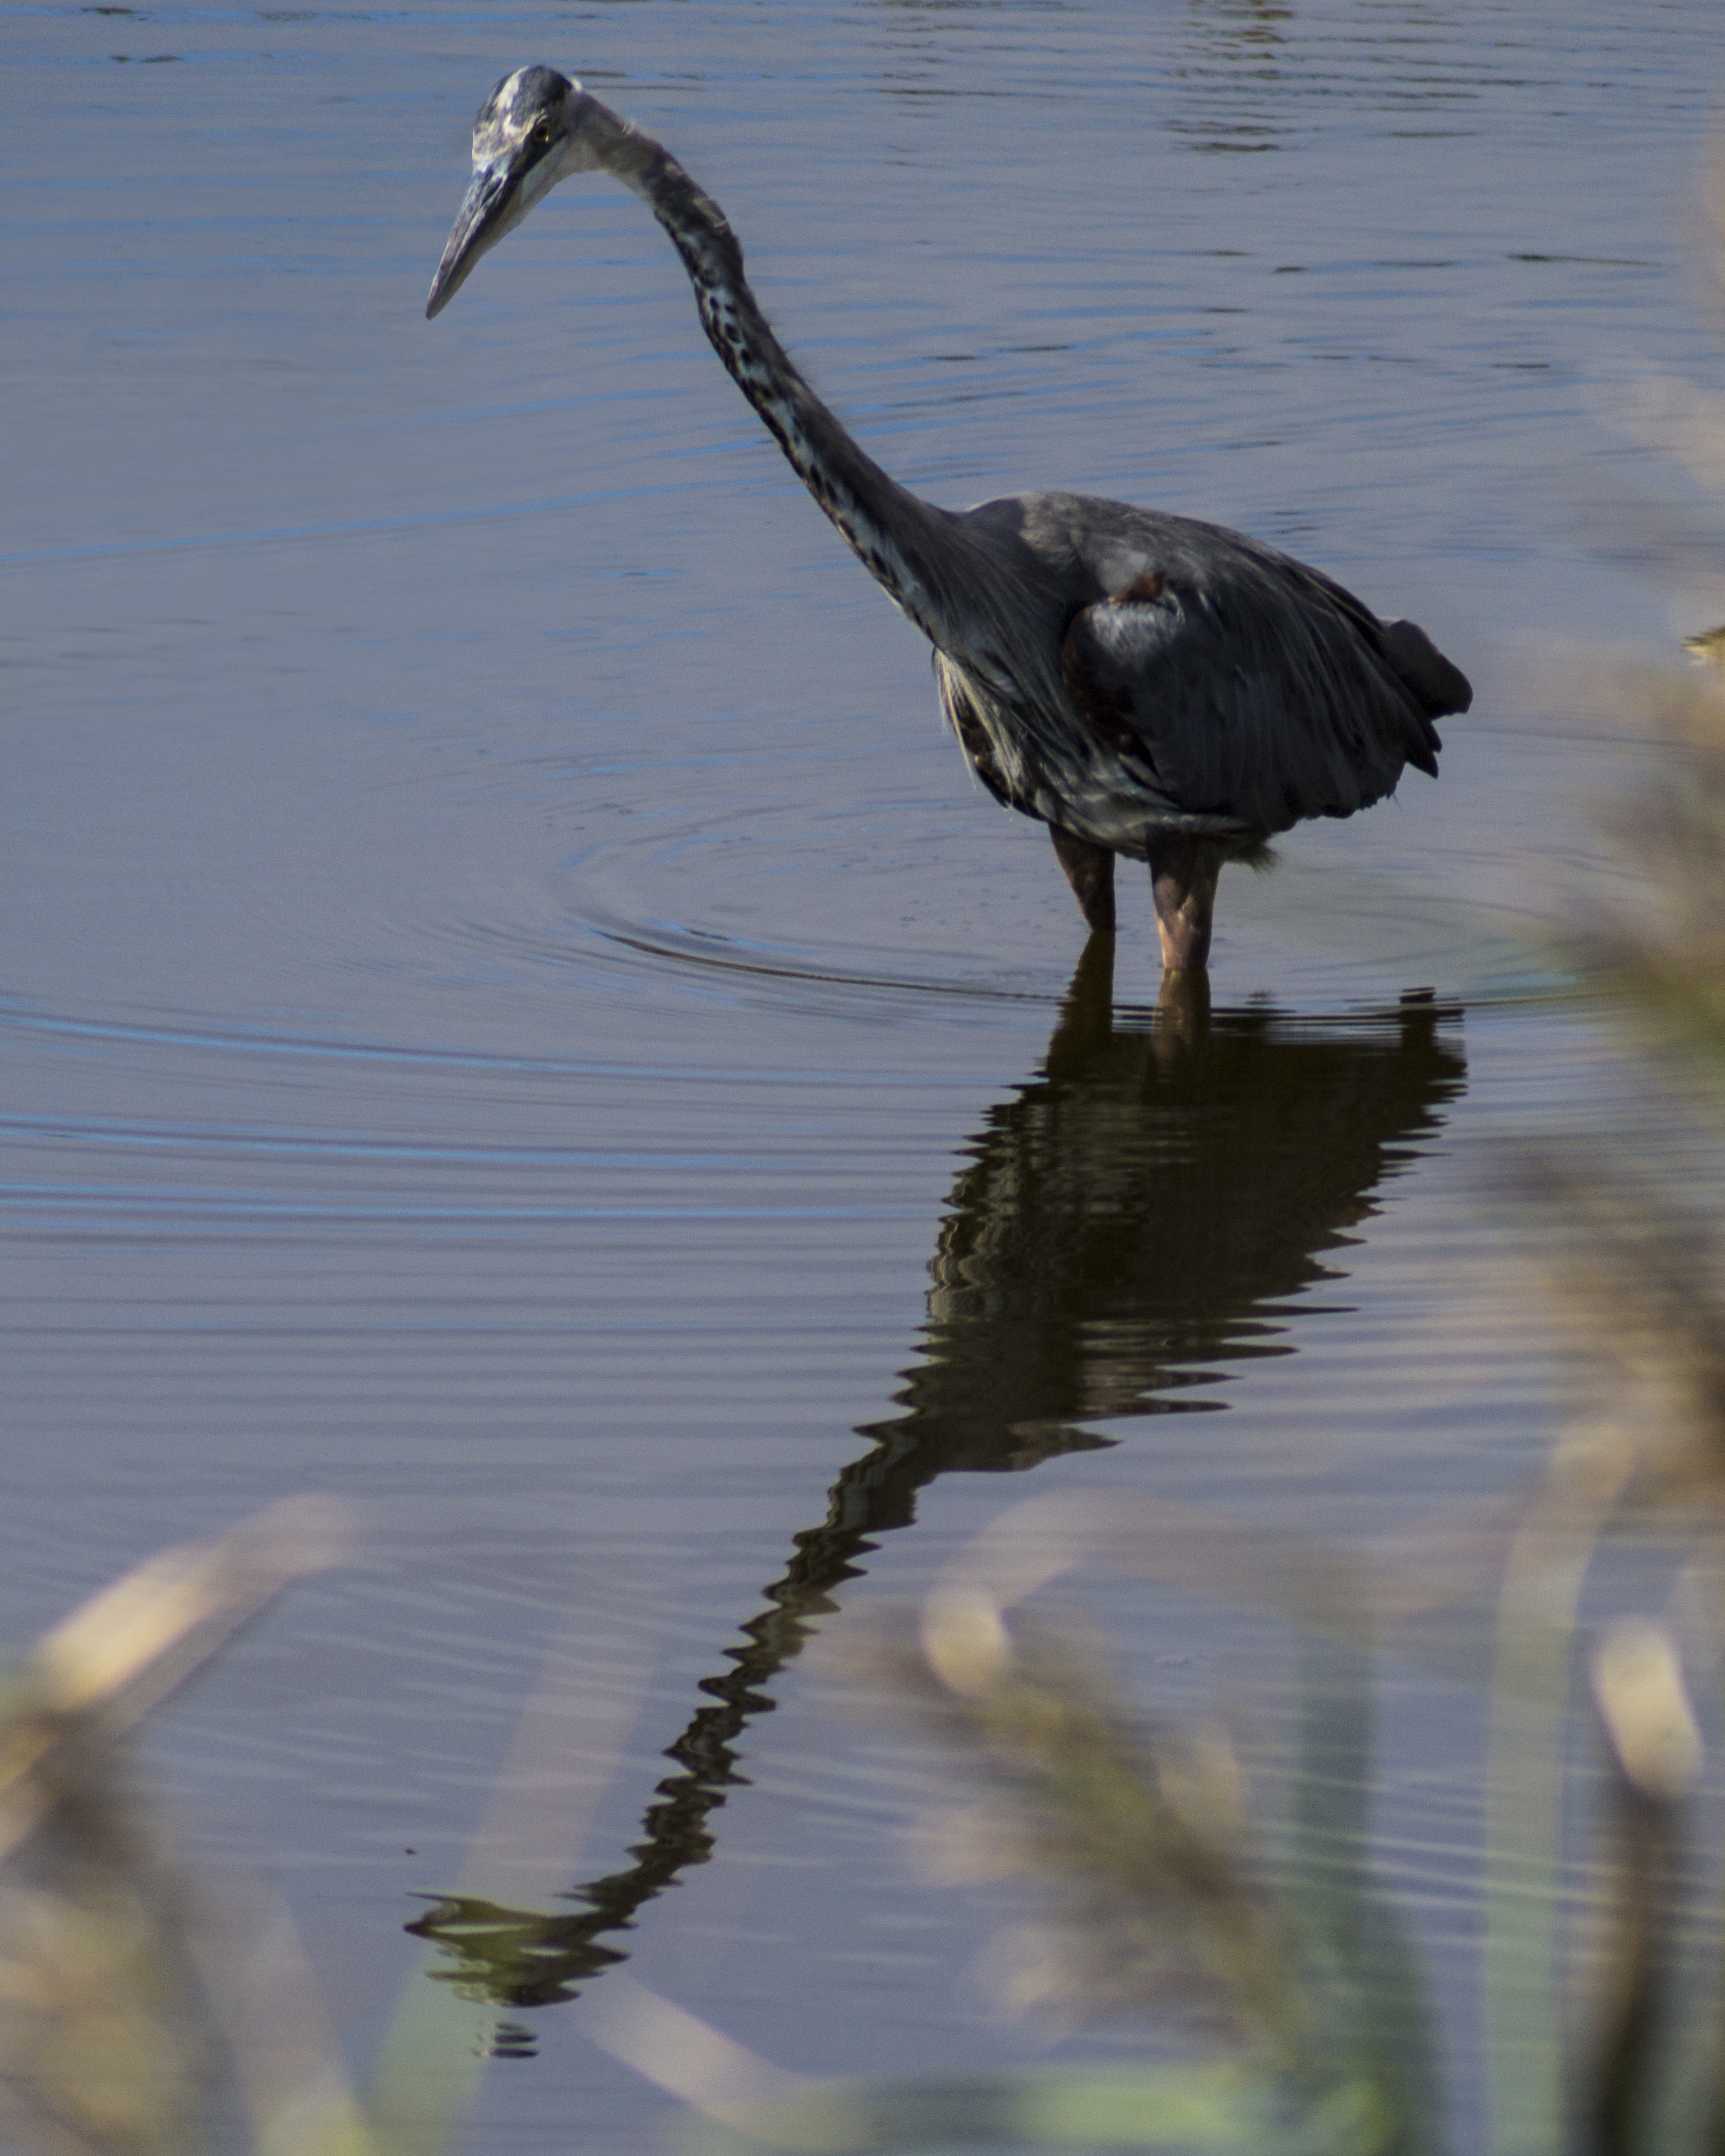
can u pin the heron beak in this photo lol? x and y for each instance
(495, 202)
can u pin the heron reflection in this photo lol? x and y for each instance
(1129, 1223)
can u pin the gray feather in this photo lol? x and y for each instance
(1205, 681)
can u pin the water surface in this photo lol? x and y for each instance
(514, 1013)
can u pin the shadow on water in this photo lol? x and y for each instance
(1142, 1209)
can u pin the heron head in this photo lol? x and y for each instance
(534, 128)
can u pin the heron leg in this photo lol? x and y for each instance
(1086, 1023)
(1183, 884)
(1089, 870)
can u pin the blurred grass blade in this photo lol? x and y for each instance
(286, 2057)
(1656, 1748)
(1537, 1612)
(482, 1952)
(688, 2057)
(749, 2105)
(125, 1648)
(1350, 1595)
(110, 2041)
(1643, 1708)
(1364, 1981)
(1219, 2111)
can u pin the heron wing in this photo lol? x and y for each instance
(1248, 687)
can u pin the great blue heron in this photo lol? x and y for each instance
(1143, 684)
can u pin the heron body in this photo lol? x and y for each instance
(1145, 685)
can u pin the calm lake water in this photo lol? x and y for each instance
(514, 1014)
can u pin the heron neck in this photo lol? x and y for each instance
(906, 544)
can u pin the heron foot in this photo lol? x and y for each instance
(1183, 885)
(1089, 870)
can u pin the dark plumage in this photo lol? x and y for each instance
(1143, 684)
